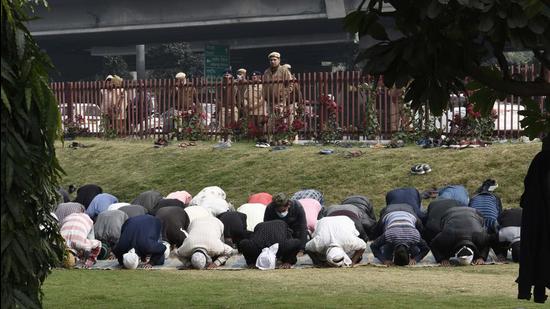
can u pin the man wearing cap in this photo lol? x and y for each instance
(399, 242)
(277, 86)
(461, 227)
(240, 90)
(186, 93)
(203, 247)
(142, 233)
(291, 212)
(336, 242)
(114, 102)
(265, 235)
(257, 108)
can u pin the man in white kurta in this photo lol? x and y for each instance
(204, 246)
(336, 242)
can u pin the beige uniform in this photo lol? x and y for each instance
(276, 94)
(255, 100)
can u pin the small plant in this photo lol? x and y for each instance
(105, 126)
(330, 130)
(473, 125)
(371, 126)
(190, 124)
(74, 128)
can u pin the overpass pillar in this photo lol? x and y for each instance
(140, 61)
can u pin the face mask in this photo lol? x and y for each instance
(282, 214)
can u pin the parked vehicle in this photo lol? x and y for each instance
(85, 115)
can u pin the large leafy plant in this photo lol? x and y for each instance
(434, 45)
(31, 244)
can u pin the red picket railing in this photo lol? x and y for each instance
(153, 108)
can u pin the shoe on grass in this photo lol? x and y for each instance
(417, 169)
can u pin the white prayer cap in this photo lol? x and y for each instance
(130, 259)
(109, 77)
(215, 205)
(274, 54)
(167, 251)
(268, 258)
(181, 75)
(198, 260)
(464, 260)
(241, 70)
(337, 257)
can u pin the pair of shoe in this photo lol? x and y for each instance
(489, 185)
(262, 145)
(420, 169)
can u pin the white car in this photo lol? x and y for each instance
(90, 115)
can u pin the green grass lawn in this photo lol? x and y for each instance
(488, 286)
(126, 168)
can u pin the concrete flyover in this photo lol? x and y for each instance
(309, 31)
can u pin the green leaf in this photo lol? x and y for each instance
(28, 98)
(483, 100)
(5, 100)
(20, 42)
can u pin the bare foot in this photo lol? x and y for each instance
(479, 261)
(285, 266)
(88, 264)
(445, 263)
(388, 263)
(212, 266)
(147, 266)
(412, 262)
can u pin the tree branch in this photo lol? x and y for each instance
(502, 62)
(513, 87)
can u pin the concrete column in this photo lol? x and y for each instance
(140, 61)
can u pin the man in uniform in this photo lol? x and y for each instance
(277, 87)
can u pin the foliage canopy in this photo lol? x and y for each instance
(434, 45)
(31, 244)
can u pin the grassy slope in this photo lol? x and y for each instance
(129, 167)
(373, 287)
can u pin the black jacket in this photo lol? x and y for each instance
(510, 217)
(436, 210)
(86, 193)
(460, 226)
(173, 220)
(534, 269)
(295, 219)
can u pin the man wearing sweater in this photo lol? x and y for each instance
(399, 241)
(203, 247)
(292, 213)
(141, 233)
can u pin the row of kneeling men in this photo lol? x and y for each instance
(205, 230)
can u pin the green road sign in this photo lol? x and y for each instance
(216, 60)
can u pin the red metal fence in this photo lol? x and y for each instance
(307, 104)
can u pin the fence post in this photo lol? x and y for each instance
(69, 100)
(228, 108)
